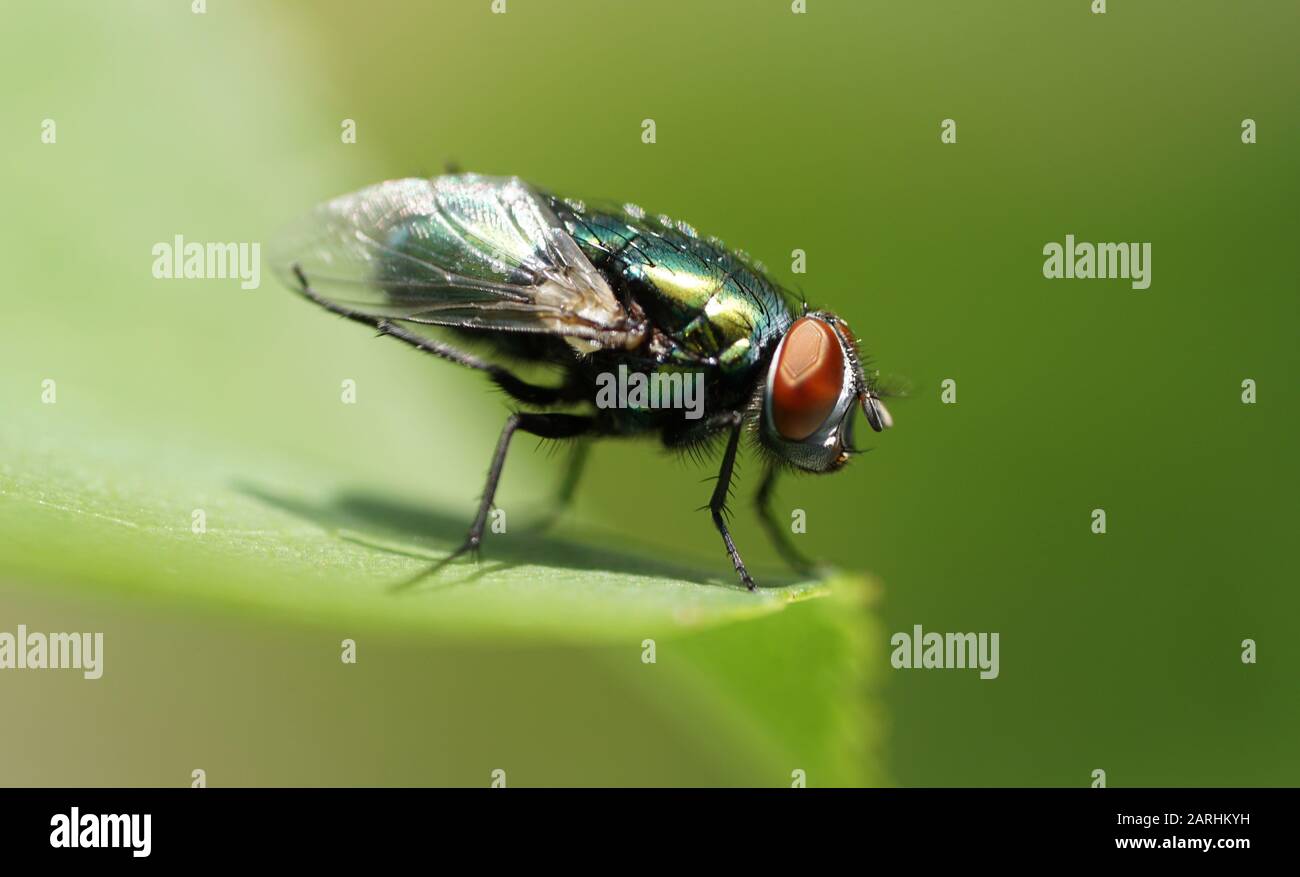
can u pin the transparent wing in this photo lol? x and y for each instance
(459, 250)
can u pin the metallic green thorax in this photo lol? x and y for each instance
(712, 306)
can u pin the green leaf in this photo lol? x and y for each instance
(127, 522)
(779, 675)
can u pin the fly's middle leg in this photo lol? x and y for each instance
(568, 487)
(778, 534)
(553, 426)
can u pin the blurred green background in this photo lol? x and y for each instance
(775, 131)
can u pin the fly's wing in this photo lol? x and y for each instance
(460, 250)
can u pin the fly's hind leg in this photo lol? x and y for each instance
(553, 426)
(517, 388)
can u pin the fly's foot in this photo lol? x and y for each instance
(470, 546)
(745, 578)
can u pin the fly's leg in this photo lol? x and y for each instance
(568, 487)
(386, 327)
(573, 474)
(778, 534)
(517, 388)
(553, 426)
(718, 502)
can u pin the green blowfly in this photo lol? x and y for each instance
(653, 329)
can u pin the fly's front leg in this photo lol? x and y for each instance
(718, 502)
(778, 534)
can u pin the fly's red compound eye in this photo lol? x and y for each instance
(808, 379)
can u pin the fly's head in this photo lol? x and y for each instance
(814, 383)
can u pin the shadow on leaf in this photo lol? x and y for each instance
(419, 532)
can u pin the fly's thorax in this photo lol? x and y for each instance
(640, 393)
(735, 330)
(709, 301)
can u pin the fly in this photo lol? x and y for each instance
(653, 329)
